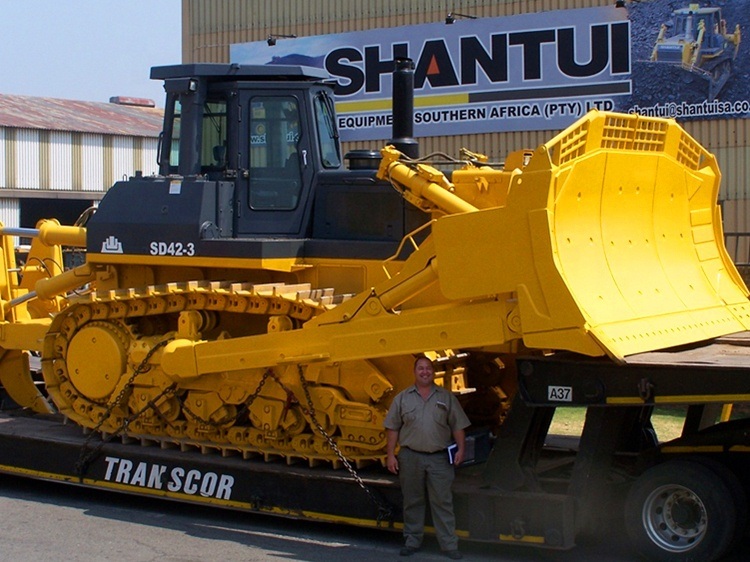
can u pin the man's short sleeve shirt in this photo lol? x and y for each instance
(426, 425)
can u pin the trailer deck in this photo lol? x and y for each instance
(531, 489)
(44, 447)
(718, 373)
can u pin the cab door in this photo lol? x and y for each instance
(275, 164)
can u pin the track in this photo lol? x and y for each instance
(101, 366)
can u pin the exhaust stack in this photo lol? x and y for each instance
(403, 108)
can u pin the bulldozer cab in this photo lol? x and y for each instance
(689, 21)
(266, 129)
(249, 166)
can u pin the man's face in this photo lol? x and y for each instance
(424, 374)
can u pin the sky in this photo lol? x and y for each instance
(88, 50)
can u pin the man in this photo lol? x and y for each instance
(422, 420)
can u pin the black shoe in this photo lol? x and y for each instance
(454, 554)
(408, 551)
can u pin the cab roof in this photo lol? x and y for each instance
(234, 71)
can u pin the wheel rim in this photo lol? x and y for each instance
(674, 518)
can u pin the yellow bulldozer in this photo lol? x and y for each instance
(257, 297)
(251, 311)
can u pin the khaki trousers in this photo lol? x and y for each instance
(433, 474)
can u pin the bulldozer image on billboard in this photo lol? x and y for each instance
(696, 51)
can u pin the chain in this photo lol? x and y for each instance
(89, 454)
(385, 510)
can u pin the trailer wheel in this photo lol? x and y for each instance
(681, 510)
(739, 497)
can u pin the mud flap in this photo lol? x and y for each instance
(611, 240)
(17, 382)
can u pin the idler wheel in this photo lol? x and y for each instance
(96, 358)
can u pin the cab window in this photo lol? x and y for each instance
(213, 141)
(275, 160)
(174, 142)
(327, 134)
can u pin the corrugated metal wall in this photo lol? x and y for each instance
(27, 166)
(10, 215)
(210, 26)
(9, 212)
(63, 161)
(3, 156)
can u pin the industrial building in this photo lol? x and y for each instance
(58, 157)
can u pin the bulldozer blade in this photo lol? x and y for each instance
(16, 379)
(661, 83)
(643, 252)
(612, 240)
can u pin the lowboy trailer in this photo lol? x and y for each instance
(523, 486)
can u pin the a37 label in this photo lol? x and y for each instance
(560, 393)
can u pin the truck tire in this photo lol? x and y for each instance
(739, 497)
(681, 511)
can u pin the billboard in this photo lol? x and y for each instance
(533, 71)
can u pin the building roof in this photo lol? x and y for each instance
(28, 112)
